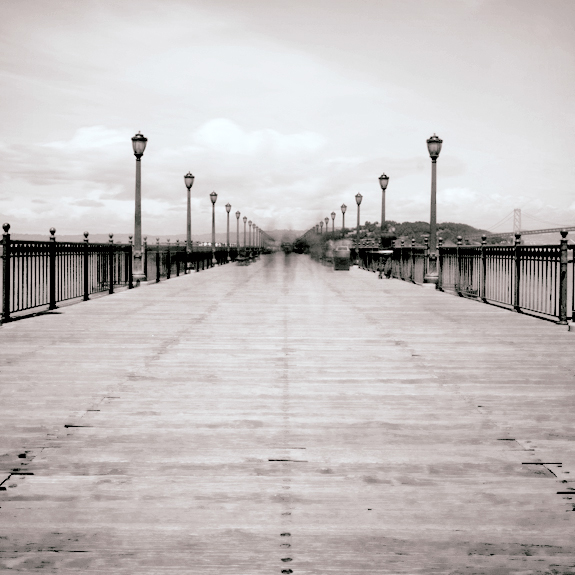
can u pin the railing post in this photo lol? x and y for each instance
(158, 260)
(439, 285)
(129, 264)
(86, 270)
(168, 262)
(517, 273)
(563, 279)
(52, 269)
(426, 255)
(145, 254)
(402, 262)
(458, 277)
(412, 274)
(483, 275)
(6, 287)
(177, 258)
(111, 263)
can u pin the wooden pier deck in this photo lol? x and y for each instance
(286, 418)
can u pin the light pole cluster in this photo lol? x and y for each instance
(434, 147)
(139, 145)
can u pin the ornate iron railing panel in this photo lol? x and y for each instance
(532, 279)
(499, 273)
(539, 272)
(29, 273)
(36, 273)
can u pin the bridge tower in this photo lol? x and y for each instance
(517, 221)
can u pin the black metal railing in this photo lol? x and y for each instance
(168, 260)
(409, 263)
(37, 273)
(43, 273)
(531, 279)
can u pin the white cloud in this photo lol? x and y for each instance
(227, 137)
(90, 138)
(457, 197)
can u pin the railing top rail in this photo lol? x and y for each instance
(182, 246)
(48, 243)
(542, 247)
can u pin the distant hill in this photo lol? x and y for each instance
(446, 230)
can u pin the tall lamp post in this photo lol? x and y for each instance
(189, 181)
(238, 234)
(250, 235)
(138, 145)
(213, 198)
(383, 181)
(228, 208)
(358, 198)
(320, 227)
(326, 220)
(343, 210)
(245, 220)
(332, 222)
(434, 147)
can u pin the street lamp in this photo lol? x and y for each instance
(320, 227)
(332, 222)
(238, 235)
(138, 145)
(343, 210)
(250, 235)
(189, 181)
(383, 181)
(228, 208)
(326, 220)
(434, 147)
(213, 198)
(358, 198)
(245, 220)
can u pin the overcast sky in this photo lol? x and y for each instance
(285, 109)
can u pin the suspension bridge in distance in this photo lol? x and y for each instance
(517, 227)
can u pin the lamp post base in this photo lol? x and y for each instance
(138, 274)
(431, 279)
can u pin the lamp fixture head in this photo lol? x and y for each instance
(228, 207)
(139, 145)
(343, 208)
(434, 146)
(358, 198)
(383, 181)
(189, 180)
(213, 197)
(238, 215)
